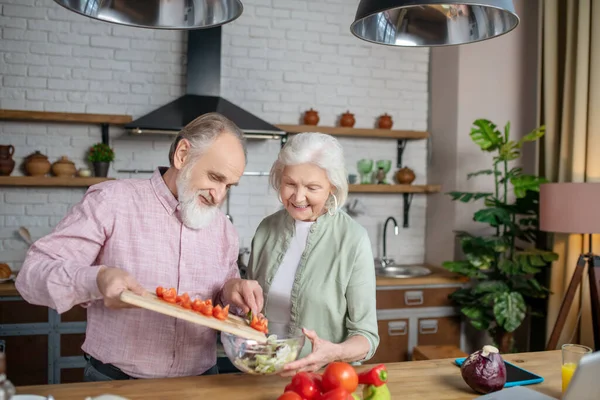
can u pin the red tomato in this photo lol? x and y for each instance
(306, 385)
(159, 291)
(340, 375)
(289, 396)
(336, 394)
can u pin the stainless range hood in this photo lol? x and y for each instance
(202, 95)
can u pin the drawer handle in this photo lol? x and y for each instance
(397, 328)
(413, 298)
(428, 326)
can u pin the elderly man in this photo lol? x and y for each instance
(138, 234)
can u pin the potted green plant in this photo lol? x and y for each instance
(101, 155)
(502, 266)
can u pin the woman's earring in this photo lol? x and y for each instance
(335, 207)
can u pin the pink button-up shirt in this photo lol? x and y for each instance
(134, 224)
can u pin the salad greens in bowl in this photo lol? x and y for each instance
(262, 358)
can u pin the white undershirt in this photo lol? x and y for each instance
(281, 289)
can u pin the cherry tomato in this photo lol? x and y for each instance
(170, 295)
(260, 324)
(340, 375)
(184, 298)
(159, 291)
(221, 313)
(289, 396)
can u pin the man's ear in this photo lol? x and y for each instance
(181, 153)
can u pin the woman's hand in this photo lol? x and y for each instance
(323, 352)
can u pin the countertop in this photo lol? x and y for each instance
(413, 380)
(439, 276)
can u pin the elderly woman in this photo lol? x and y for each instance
(315, 263)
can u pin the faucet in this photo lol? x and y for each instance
(384, 260)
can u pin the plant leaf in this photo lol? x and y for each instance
(477, 317)
(523, 183)
(490, 287)
(463, 268)
(483, 172)
(508, 267)
(533, 135)
(485, 135)
(508, 151)
(494, 216)
(465, 197)
(509, 310)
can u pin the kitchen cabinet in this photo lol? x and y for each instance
(410, 315)
(42, 347)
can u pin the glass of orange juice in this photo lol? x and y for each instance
(571, 354)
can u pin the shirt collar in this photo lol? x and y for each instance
(162, 191)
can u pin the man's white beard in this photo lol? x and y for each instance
(193, 214)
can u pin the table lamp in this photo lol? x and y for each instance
(574, 208)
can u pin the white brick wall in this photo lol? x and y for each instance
(280, 58)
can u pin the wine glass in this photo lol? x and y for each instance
(365, 167)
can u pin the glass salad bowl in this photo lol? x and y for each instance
(268, 358)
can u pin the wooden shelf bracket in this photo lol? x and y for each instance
(407, 200)
(401, 147)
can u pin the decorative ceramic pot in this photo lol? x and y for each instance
(64, 167)
(37, 164)
(347, 120)
(385, 122)
(101, 169)
(7, 164)
(405, 176)
(311, 117)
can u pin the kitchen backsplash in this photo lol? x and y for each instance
(279, 58)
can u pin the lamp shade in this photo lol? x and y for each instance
(158, 14)
(432, 22)
(570, 207)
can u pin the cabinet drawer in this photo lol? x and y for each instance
(411, 298)
(439, 331)
(393, 341)
(21, 312)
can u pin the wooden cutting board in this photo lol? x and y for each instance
(233, 324)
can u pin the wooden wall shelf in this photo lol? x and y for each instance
(47, 181)
(355, 132)
(394, 188)
(45, 116)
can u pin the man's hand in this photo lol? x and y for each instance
(245, 294)
(112, 282)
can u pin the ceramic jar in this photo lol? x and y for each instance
(311, 117)
(347, 120)
(385, 122)
(64, 167)
(7, 164)
(84, 172)
(37, 164)
(405, 176)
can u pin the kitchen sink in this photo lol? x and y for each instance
(402, 271)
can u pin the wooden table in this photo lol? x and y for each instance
(414, 380)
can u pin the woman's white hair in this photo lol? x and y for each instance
(319, 149)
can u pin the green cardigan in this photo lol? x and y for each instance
(334, 288)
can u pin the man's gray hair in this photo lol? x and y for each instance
(203, 131)
(320, 149)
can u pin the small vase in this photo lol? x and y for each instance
(64, 167)
(405, 176)
(101, 169)
(347, 120)
(37, 164)
(385, 122)
(7, 164)
(311, 117)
